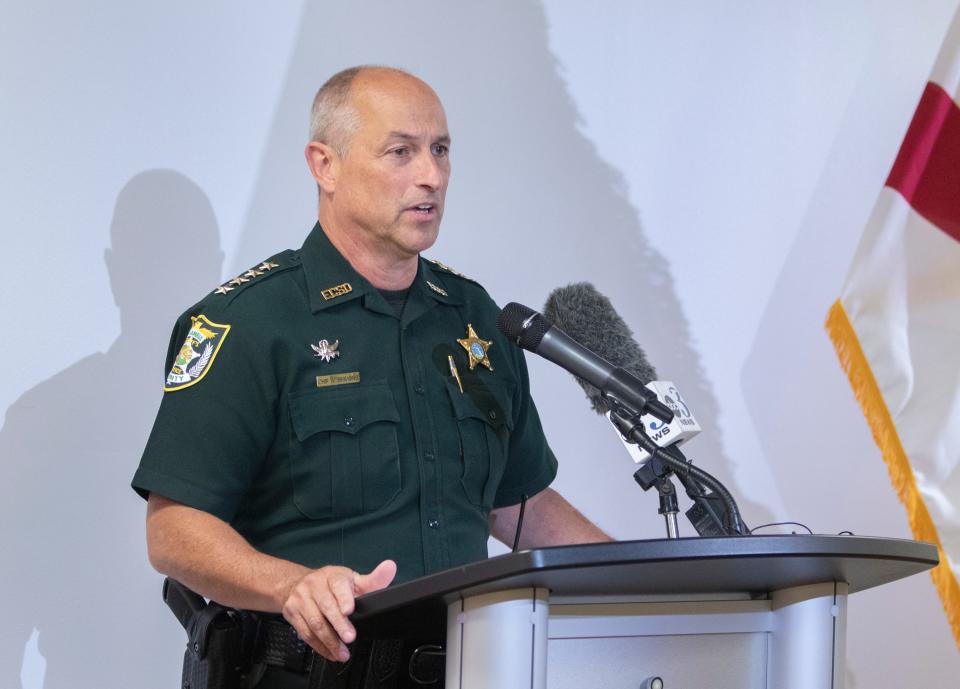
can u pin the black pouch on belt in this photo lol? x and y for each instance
(216, 655)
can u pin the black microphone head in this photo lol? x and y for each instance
(522, 325)
(589, 318)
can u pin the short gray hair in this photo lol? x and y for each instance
(333, 120)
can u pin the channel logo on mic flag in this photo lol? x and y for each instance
(683, 427)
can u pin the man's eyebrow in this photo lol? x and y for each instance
(404, 136)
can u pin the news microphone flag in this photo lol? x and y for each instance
(683, 426)
(896, 326)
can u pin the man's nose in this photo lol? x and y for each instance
(430, 172)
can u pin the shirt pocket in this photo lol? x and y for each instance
(484, 421)
(344, 455)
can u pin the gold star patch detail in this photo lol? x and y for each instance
(476, 348)
(223, 289)
(267, 265)
(252, 273)
(238, 281)
(447, 268)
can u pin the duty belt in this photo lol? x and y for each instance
(373, 664)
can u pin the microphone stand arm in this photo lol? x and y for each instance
(689, 475)
(657, 473)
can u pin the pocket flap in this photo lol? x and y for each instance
(345, 409)
(491, 402)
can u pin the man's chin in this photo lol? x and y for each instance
(420, 238)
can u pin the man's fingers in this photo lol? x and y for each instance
(378, 579)
(329, 644)
(330, 607)
(320, 603)
(311, 623)
(342, 589)
(300, 624)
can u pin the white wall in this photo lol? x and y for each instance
(709, 167)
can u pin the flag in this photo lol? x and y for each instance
(896, 325)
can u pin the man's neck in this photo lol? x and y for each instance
(383, 271)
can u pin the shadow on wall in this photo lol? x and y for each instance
(531, 205)
(75, 565)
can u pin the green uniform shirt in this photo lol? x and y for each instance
(327, 430)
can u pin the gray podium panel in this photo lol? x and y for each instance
(755, 612)
(747, 566)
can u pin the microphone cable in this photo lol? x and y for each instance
(523, 506)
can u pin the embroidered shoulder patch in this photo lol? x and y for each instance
(197, 353)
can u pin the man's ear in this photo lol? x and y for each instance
(324, 164)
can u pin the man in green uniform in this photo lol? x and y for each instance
(347, 414)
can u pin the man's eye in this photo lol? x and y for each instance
(440, 149)
(399, 152)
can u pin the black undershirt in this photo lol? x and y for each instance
(396, 298)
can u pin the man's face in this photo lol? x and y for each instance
(391, 184)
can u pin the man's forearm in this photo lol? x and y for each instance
(548, 520)
(210, 557)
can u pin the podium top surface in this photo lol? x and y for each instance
(755, 565)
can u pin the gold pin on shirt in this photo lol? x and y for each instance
(439, 290)
(455, 373)
(336, 291)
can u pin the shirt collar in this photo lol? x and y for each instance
(332, 280)
(431, 282)
(330, 277)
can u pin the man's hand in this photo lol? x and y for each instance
(209, 556)
(319, 603)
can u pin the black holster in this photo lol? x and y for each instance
(219, 639)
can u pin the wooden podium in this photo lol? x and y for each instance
(756, 612)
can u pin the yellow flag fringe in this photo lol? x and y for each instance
(884, 431)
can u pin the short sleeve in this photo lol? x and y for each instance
(215, 423)
(531, 464)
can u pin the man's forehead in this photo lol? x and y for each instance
(386, 80)
(380, 90)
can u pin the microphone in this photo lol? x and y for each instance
(533, 332)
(589, 318)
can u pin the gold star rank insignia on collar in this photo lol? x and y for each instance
(476, 348)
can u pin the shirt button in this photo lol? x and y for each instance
(434, 523)
(419, 389)
(428, 456)
(348, 421)
(492, 414)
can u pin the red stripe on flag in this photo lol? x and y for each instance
(927, 169)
